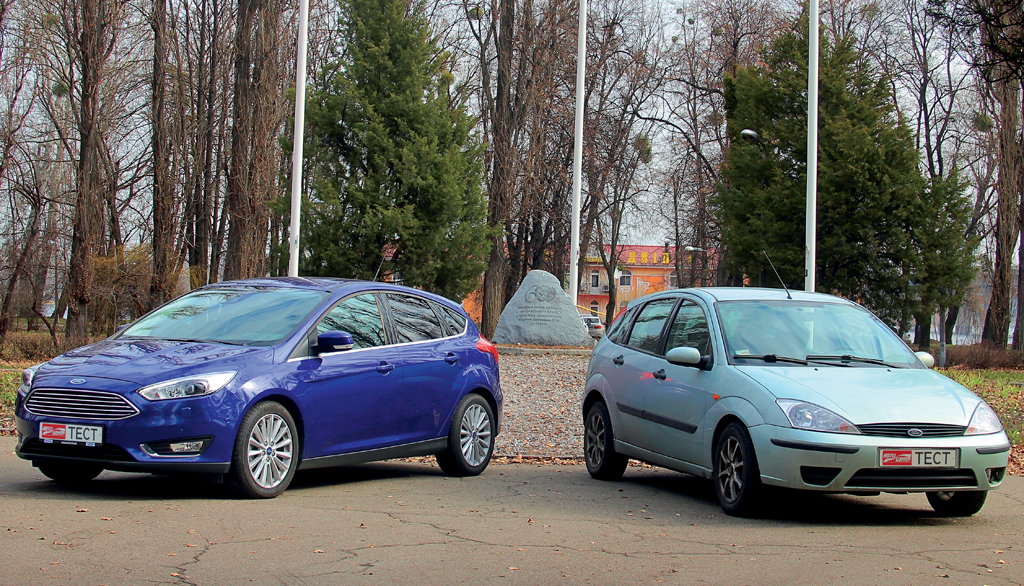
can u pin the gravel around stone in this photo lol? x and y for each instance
(543, 395)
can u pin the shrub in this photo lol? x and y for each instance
(983, 356)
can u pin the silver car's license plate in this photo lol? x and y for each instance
(918, 457)
(71, 433)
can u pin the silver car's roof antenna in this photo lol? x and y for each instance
(788, 296)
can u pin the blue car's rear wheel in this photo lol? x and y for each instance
(735, 472)
(470, 440)
(266, 452)
(603, 462)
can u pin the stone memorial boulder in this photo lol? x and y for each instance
(541, 314)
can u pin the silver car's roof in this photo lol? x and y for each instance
(753, 294)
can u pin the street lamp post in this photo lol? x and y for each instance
(812, 150)
(577, 157)
(300, 116)
(691, 249)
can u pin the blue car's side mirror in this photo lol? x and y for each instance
(334, 341)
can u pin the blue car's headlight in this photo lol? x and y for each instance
(26, 379)
(192, 386)
(983, 421)
(803, 415)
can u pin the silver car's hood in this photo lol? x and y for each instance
(871, 395)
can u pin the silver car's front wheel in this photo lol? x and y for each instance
(266, 452)
(737, 478)
(471, 438)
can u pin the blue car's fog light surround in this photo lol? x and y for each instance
(984, 421)
(183, 388)
(804, 415)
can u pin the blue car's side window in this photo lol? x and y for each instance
(359, 316)
(414, 320)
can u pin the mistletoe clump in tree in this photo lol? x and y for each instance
(394, 173)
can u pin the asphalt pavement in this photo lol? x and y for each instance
(406, 523)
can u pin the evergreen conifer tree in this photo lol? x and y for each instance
(877, 217)
(394, 172)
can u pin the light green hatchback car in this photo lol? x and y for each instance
(753, 387)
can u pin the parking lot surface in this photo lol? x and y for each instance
(406, 523)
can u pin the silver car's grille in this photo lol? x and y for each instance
(904, 430)
(79, 404)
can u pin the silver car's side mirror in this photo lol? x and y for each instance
(684, 356)
(926, 358)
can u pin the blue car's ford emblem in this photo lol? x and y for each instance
(77, 381)
(915, 432)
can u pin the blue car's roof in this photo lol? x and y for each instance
(317, 283)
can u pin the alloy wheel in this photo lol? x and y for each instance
(730, 469)
(475, 435)
(270, 450)
(595, 439)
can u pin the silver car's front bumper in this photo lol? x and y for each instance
(836, 462)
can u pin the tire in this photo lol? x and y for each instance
(266, 452)
(735, 472)
(960, 503)
(603, 462)
(470, 439)
(70, 473)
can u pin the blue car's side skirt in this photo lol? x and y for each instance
(424, 448)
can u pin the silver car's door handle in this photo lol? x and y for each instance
(618, 360)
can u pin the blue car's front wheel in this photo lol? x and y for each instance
(266, 450)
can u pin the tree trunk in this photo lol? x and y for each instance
(997, 319)
(88, 221)
(163, 222)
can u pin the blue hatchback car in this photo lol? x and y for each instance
(252, 380)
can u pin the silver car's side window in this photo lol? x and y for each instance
(649, 324)
(690, 329)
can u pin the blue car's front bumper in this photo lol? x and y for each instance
(126, 442)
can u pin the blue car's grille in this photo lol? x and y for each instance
(903, 430)
(79, 404)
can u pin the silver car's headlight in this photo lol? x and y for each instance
(983, 421)
(27, 376)
(192, 386)
(803, 415)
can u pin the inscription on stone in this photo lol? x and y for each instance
(541, 313)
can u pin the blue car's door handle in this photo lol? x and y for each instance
(451, 358)
(385, 368)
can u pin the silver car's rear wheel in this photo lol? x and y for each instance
(603, 462)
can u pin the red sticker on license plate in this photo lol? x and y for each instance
(897, 458)
(53, 431)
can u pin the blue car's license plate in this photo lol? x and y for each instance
(71, 433)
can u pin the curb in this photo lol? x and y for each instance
(520, 351)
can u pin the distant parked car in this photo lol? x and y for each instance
(256, 379)
(753, 387)
(593, 326)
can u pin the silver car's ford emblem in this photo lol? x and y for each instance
(915, 432)
(77, 381)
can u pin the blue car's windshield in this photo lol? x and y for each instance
(816, 332)
(253, 316)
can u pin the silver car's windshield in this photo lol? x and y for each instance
(252, 316)
(820, 333)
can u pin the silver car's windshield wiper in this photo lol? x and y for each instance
(849, 358)
(770, 358)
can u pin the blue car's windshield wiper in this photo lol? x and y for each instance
(849, 358)
(201, 341)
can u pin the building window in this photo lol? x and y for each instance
(594, 307)
(626, 279)
(595, 279)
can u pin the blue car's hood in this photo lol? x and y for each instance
(148, 361)
(872, 395)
